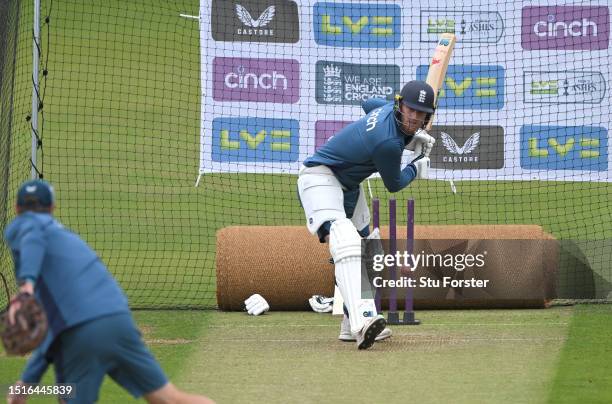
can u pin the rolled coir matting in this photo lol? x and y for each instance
(287, 265)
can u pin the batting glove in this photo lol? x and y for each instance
(423, 143)
(321, 304)
(256, 305)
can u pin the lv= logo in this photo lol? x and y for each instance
(254, 141)
(588, 147)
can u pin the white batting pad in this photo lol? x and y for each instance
(345, 247)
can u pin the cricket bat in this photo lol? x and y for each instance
(437, 73)
(337, 308)
(438, 67)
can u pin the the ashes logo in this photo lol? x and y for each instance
(564, 87)
(468, 147)
(472, 26)
(263, 20)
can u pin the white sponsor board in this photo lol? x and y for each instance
(274, 72)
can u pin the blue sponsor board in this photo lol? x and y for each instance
(255, 139)
(470, 87)
(357, 25)
(564, 148)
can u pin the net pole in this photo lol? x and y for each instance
(35, 87)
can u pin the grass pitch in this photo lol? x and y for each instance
(557, 355)
(469, 356)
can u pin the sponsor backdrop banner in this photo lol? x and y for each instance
(525, 97)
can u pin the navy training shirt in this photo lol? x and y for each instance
(372, 144)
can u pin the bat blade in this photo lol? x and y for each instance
(438, 66)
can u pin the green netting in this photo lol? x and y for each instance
(122, 119)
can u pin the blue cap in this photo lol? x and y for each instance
(35, 194)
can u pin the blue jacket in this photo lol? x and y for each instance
(372, 144)
(70, 280)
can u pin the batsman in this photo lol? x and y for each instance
(331, 192)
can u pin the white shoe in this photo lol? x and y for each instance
(384, 334)
(347, 336)
(345, 330)
(367, 336)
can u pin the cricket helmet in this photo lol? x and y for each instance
(35, 195)
(417, 95)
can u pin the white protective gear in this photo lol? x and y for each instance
(338, 306)
(345, 247)
(423, 143)
(374, 234)
(256, 305)
(361, 214)
(321, 304)
(323, 200)
(321, 196)
(422, 166)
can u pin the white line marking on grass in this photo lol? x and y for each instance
(425, 324)
(451, 339)
(414, 339)
(503, 324)
(162, 341)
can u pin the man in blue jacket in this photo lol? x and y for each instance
(334, 203)
(91, 330)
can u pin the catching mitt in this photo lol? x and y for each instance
(28, 330)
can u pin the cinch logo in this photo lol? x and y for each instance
(326, 129)
(255, 139)
(565, 27)
(564, 148)
(263, 80)
(351, 84)
(255, 21)
(470, 87)
(470, 26)
(357, 25)
(564, 87)
(482, 147)
(267, 81)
